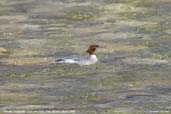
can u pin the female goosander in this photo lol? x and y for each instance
(92, 57)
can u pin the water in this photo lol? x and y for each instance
(133, 72)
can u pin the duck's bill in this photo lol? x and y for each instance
(102, 46)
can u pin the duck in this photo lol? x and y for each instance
(92, 59)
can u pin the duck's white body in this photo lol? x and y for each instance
(92, 59)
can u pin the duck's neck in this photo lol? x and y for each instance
(93, 58)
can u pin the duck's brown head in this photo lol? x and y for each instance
(92, 48)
